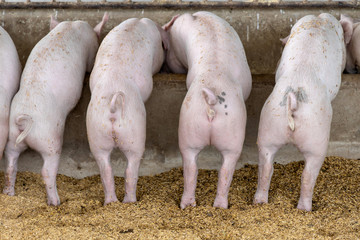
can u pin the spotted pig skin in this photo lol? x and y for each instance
(299, 111)
(213, 111)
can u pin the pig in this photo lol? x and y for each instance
(50, 87)
(298, 110)
(353, 46)
(218, 82)
(120, 83)
(10, 70)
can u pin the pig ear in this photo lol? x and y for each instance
(284, 40)
(100, 25)
(53, 23)
(164, 37)
(167, 26)
(347, 25)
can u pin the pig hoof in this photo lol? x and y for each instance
(129, 200)
(107, 201)
(184, 205)
(53, 202)
(9, 191)
(185, 202)
(260, 199)
(220, 204)
(302, 206)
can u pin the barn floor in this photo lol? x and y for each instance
(336, 207)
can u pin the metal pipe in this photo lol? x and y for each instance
(177, 5)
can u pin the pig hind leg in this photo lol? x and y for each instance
(102, 157)
(4, 132)
(189, 156)
(12, 154)
(313, 163)
(132, 144)
(265, 171)
(49, 172)
(225, 177)
(314, 151)
(131, 174)
(271, 137)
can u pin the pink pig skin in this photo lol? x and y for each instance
(218, 82)
(10, 71)
(120, 84)
(353, 47)
(50, 87)
(299, 109)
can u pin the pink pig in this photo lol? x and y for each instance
(299, 109)
(353, 47)
(50, 87)
(120, 84)
(218, 82)
(10, 70)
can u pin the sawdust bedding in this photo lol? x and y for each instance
(157, 215)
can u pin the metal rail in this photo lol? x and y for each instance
(179, 4)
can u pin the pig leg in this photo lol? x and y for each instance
(102, 157)
(190, 169)
(131, 174)
(12, 154)
(49, 172)
(225, 178)
(266, 158)
(310, 173)
(314, 151)
(4, 133)
(313, 143)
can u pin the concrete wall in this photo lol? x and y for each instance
(259, 29)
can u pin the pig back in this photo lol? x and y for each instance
(211, 44)
(57, 64)
(131, 52)
(10, 67)
(315, 43)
